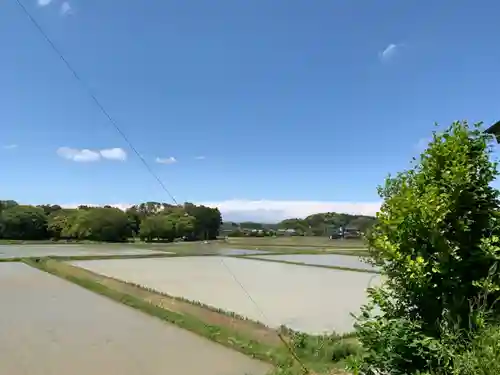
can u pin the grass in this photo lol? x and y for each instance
(322, 354)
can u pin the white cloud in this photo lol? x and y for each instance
(10, 147)
(43, 3)
(85, 155)
(66, 9)
(170, 160)
(79, 155)
(273, 211)
(389, 52)
(114, 154)
(200, 157)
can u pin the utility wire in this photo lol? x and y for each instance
(124, 136)
(305, 370)
(94, 98)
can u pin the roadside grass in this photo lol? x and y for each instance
(322, 354)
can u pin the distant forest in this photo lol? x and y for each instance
(321, 224)
(150, 221)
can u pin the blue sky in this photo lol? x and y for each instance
(264, 108)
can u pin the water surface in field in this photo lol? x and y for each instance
(334, 260)
(14, 251)
(51, 327)
(309, 299)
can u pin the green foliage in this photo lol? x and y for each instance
(23, 222)
(154, 220)
(482, 356)
(437, 243)
(100, 224)
(324, 224)
(158, 227)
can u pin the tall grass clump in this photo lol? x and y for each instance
(437, 243)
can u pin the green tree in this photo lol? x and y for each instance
(100, 224)
(4, 204)
(184, 225)
(157, 227)
(207, 221)
(50, 208)
(19, 222)
(437, 242)
(60, 224)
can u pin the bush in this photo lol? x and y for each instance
(482, 356)
(437, 242)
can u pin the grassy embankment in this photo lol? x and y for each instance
(340, 268)
(322, 354)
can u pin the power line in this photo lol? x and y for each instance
(305, 370)
(118, 129)
(93, 97)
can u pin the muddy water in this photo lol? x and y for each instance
(51, 327)
(13, 251)
(309, 299)
(321, 260)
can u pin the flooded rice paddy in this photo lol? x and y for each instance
(334, 260)
(52, 327)
(229, 251)
(309, 299)
(15, 251)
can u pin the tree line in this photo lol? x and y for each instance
(321, 224)
(149, 221)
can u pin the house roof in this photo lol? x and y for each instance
(495, 130)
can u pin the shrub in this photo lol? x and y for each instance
(437, 242)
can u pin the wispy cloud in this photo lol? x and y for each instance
(43, 3)
(114, 154)
(10, 147)
(170, 160)
(66, 9)
(87, 156)
(389, 52)
(79, 155)
(200, 157)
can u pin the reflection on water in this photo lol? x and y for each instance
(13, 251)
(228, 251)
(322, 260)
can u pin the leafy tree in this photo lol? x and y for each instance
(157, 227)
(101, 224)
(184, 225)
(21, 222)
(207, 223)
(437, 242)
(60, 224)
(7, 204)
(134, 219)
(49, 208)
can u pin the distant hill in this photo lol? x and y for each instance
(317, 224)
